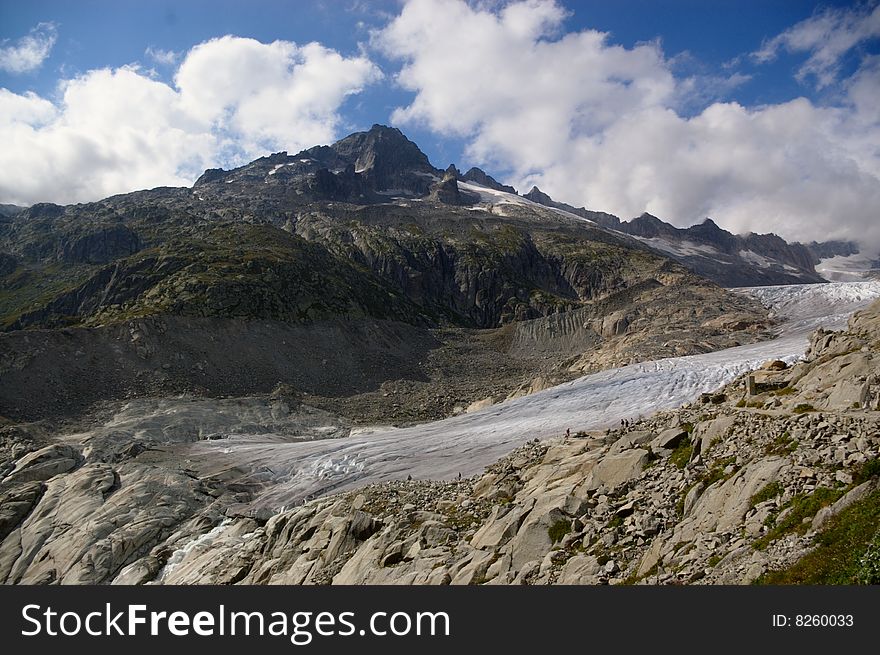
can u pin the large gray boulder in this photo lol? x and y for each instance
(613, 470)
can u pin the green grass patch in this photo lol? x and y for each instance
(765, 493)
(802, 506)
(781, 445)
(866, 471)
(847, 551)
(682, 454)
(558, 530)
(803, 408)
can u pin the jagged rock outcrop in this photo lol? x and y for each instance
(727, 259)
(360, 167)
(479, 176)
(447, 191)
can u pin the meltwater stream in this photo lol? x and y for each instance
(466, 444)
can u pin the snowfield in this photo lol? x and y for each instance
(493, 197)
(846, 268)
(681, 249)
(466, 444)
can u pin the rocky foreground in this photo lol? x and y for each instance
(746, 482)
(773, 478)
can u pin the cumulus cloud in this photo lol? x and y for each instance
(601, 125)
(268, 94)
(29, 52)
(116, 130)
(828, 37)
(497, 76)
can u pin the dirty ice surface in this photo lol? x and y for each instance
(467, 443)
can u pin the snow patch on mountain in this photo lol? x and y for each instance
(494, 197)
(846, 268)
(681, 249)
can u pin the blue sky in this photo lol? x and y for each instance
(760, 114)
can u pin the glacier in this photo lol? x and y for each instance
(465, 444)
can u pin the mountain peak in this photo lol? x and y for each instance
(480, 176)
(649, 226)
(538, 196)
(378, 128)
(384, 154)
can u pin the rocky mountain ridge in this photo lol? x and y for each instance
(728, 259)
(333, 240)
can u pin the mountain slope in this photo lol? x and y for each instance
(362, 230)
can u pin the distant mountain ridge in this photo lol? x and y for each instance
(728, 259)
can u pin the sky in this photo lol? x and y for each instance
(763, 115)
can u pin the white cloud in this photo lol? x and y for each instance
(29, 52)
(162, 57)
(268, 94)
(600, 125)
(28, 109)
(498, 75)
(117, 130)
(827, 36)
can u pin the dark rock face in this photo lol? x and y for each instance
(8, 263)
(210, 175)
(649, 226)
(538, 196)
(101, 246)
(44, 210)
(480, 177)
(446, 190)
(776, 248)
(386, 158)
